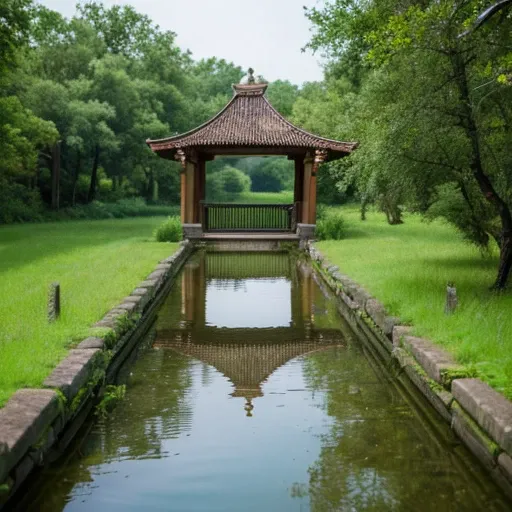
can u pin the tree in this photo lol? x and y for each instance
(433, 114)
(15, 16)
(282, 95)
(264, 179)
(227, 184)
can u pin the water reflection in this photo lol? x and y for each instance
(228, 409)
(246, 315)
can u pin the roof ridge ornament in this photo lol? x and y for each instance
(250, 85)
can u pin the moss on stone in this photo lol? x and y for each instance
(460, 372)
(98, 374)
(492, 447)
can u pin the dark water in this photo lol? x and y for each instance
(252, 395)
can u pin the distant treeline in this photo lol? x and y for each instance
(83, 94)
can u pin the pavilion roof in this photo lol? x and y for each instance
(249, 121)
(248, 366)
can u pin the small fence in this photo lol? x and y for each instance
(248, 217)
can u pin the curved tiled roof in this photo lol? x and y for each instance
(249, 120)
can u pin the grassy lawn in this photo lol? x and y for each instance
(97, 264)
(407, 268)
(284, 197)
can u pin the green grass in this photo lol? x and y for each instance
(407, 267)
(97, 264)
(284, 197)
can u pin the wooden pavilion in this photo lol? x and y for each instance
(248, 126)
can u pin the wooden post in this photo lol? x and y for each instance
(298, 187)
(190, 193)
(182, 158)
(308, 167)
(199, 188)
(320, 156)
(312, 197)
(451, 299)
(183, 194)
(53, 302)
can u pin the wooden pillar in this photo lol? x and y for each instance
(189, 194)
(312, 197)
(306, 193)
(320, 157)
(199, 190)
(306, 291)
(298, 188)
(187, 283)
(200, 292)
(183, 194)
(296, 298)
(182, 158)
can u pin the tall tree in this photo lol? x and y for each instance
(433, 111)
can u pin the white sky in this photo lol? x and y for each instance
(264, 34)
(253, 303)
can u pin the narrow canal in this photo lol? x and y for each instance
(251, 394)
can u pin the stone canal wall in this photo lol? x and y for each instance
(37, 424)
(480, 416)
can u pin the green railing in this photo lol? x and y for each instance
(248, 217)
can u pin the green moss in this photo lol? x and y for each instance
(112, 396)
(434, 386)
(42, 439)
(78, 399)
(100, 364)
(459, 372)
(61, 400)
(492, 447)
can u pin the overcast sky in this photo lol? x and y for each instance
(264, 34)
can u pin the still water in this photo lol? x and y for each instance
(251, 394)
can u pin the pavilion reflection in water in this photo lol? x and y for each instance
(244, 354)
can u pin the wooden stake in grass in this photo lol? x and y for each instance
(451, 299)
(53, 302)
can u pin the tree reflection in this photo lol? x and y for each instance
(377, 455)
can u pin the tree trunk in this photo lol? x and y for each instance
(364, 207)
(469, 123)
(505, 261)
(149, 187)
(393, 214)
(94, 175)
(396, 216)
(75, 177)
(56, 176)
(155, 191)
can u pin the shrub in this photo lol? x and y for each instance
(330, 226)
(18, 203)
(169, 231)
(265, 179)
(227, 184)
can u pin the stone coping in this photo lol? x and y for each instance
(479, 415)
(34, 421)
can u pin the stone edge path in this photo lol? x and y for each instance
(34, 422)
(480, 416)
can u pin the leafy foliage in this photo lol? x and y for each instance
(430, 109)
(227, 184)
(169, 231)
(101, 82)
(330, 225)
